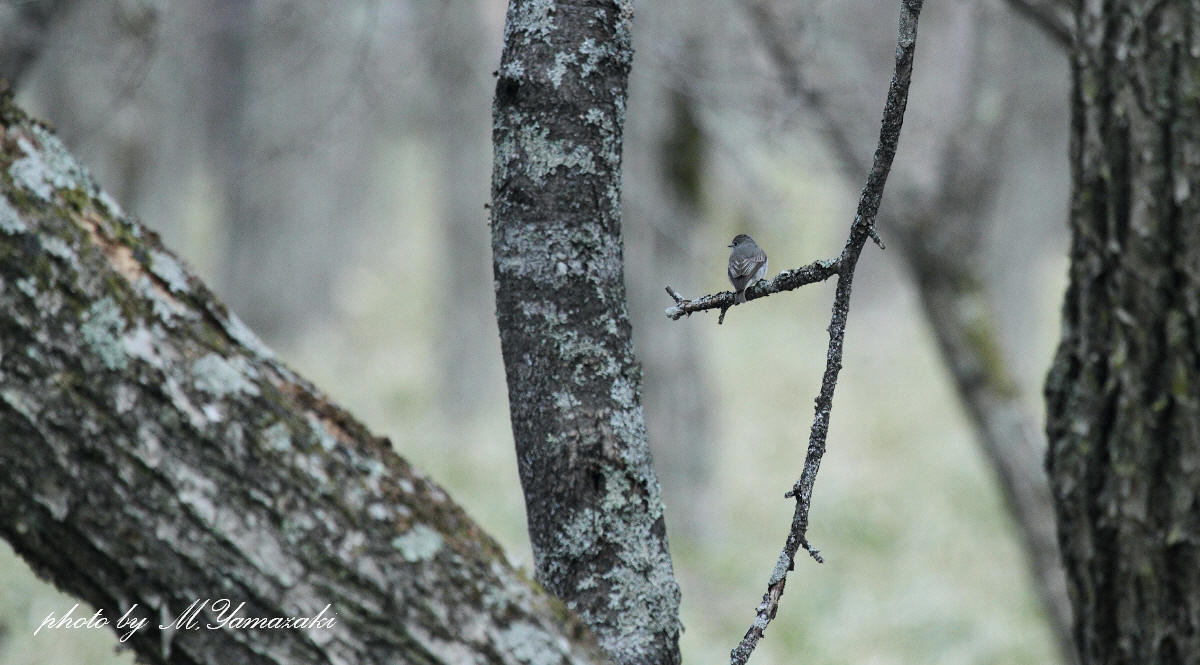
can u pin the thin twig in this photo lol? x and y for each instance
(860, 230)
(817, 271)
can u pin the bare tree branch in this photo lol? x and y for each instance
(860, 230)
(939, 232)
(778, 44)
(817, 271)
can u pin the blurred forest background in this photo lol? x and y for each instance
(324, 167)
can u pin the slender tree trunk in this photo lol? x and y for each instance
(1124, 390)
(592, 500)
(466, 344)
(24, 28)
(154, 454)
(664, 192)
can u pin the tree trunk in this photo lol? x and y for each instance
(466, 338)
(592, 500)
(665, 192)
(24, 27)
(1124, 391)
(156, 454)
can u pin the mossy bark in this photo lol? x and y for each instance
(593, 504)
(1124, 390)
(155, 454)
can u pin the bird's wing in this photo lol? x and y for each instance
(742, 267)
(762, 270)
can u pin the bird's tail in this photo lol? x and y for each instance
(739, 297)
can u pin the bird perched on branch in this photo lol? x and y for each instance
(747, 265)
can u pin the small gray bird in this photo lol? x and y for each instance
(747, 265)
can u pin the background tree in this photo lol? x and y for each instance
(1123, 393)
(351, 132)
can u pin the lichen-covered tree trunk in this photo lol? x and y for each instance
(594, 510)
(1124, 390)
(153, 453)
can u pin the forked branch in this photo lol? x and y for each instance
(862, 228)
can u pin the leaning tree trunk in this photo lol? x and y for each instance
(154, 453)
(1124, 391)
(592, 500)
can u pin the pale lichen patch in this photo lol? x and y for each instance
(101, 331)
(595, 116)
(57, 247)
(278, 438)
(28, 286)
(20, 402)
(529, 644)
(10, 222)
(219, 376)
(313, 466)
(196, 491)
(351, 546)
(781, 569)
(561, 62)
(109, 202)
(513, 69)
(149, 445)
(421, 543)
(30, 172)
(546, 155)
(166, 268)
(241, 333)
(617, 491)
(379, 512)
(327, 440)
(141, 343)
(593, 53)
(50, 167)
(259, 545)
(165, 306)
(213, 412)
(624, 392)
(182, 402)
(539, 156)
(534, 20)
(124, 397)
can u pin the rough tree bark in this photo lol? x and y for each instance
(1123, 393)
(593, 505)
(155, 453)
